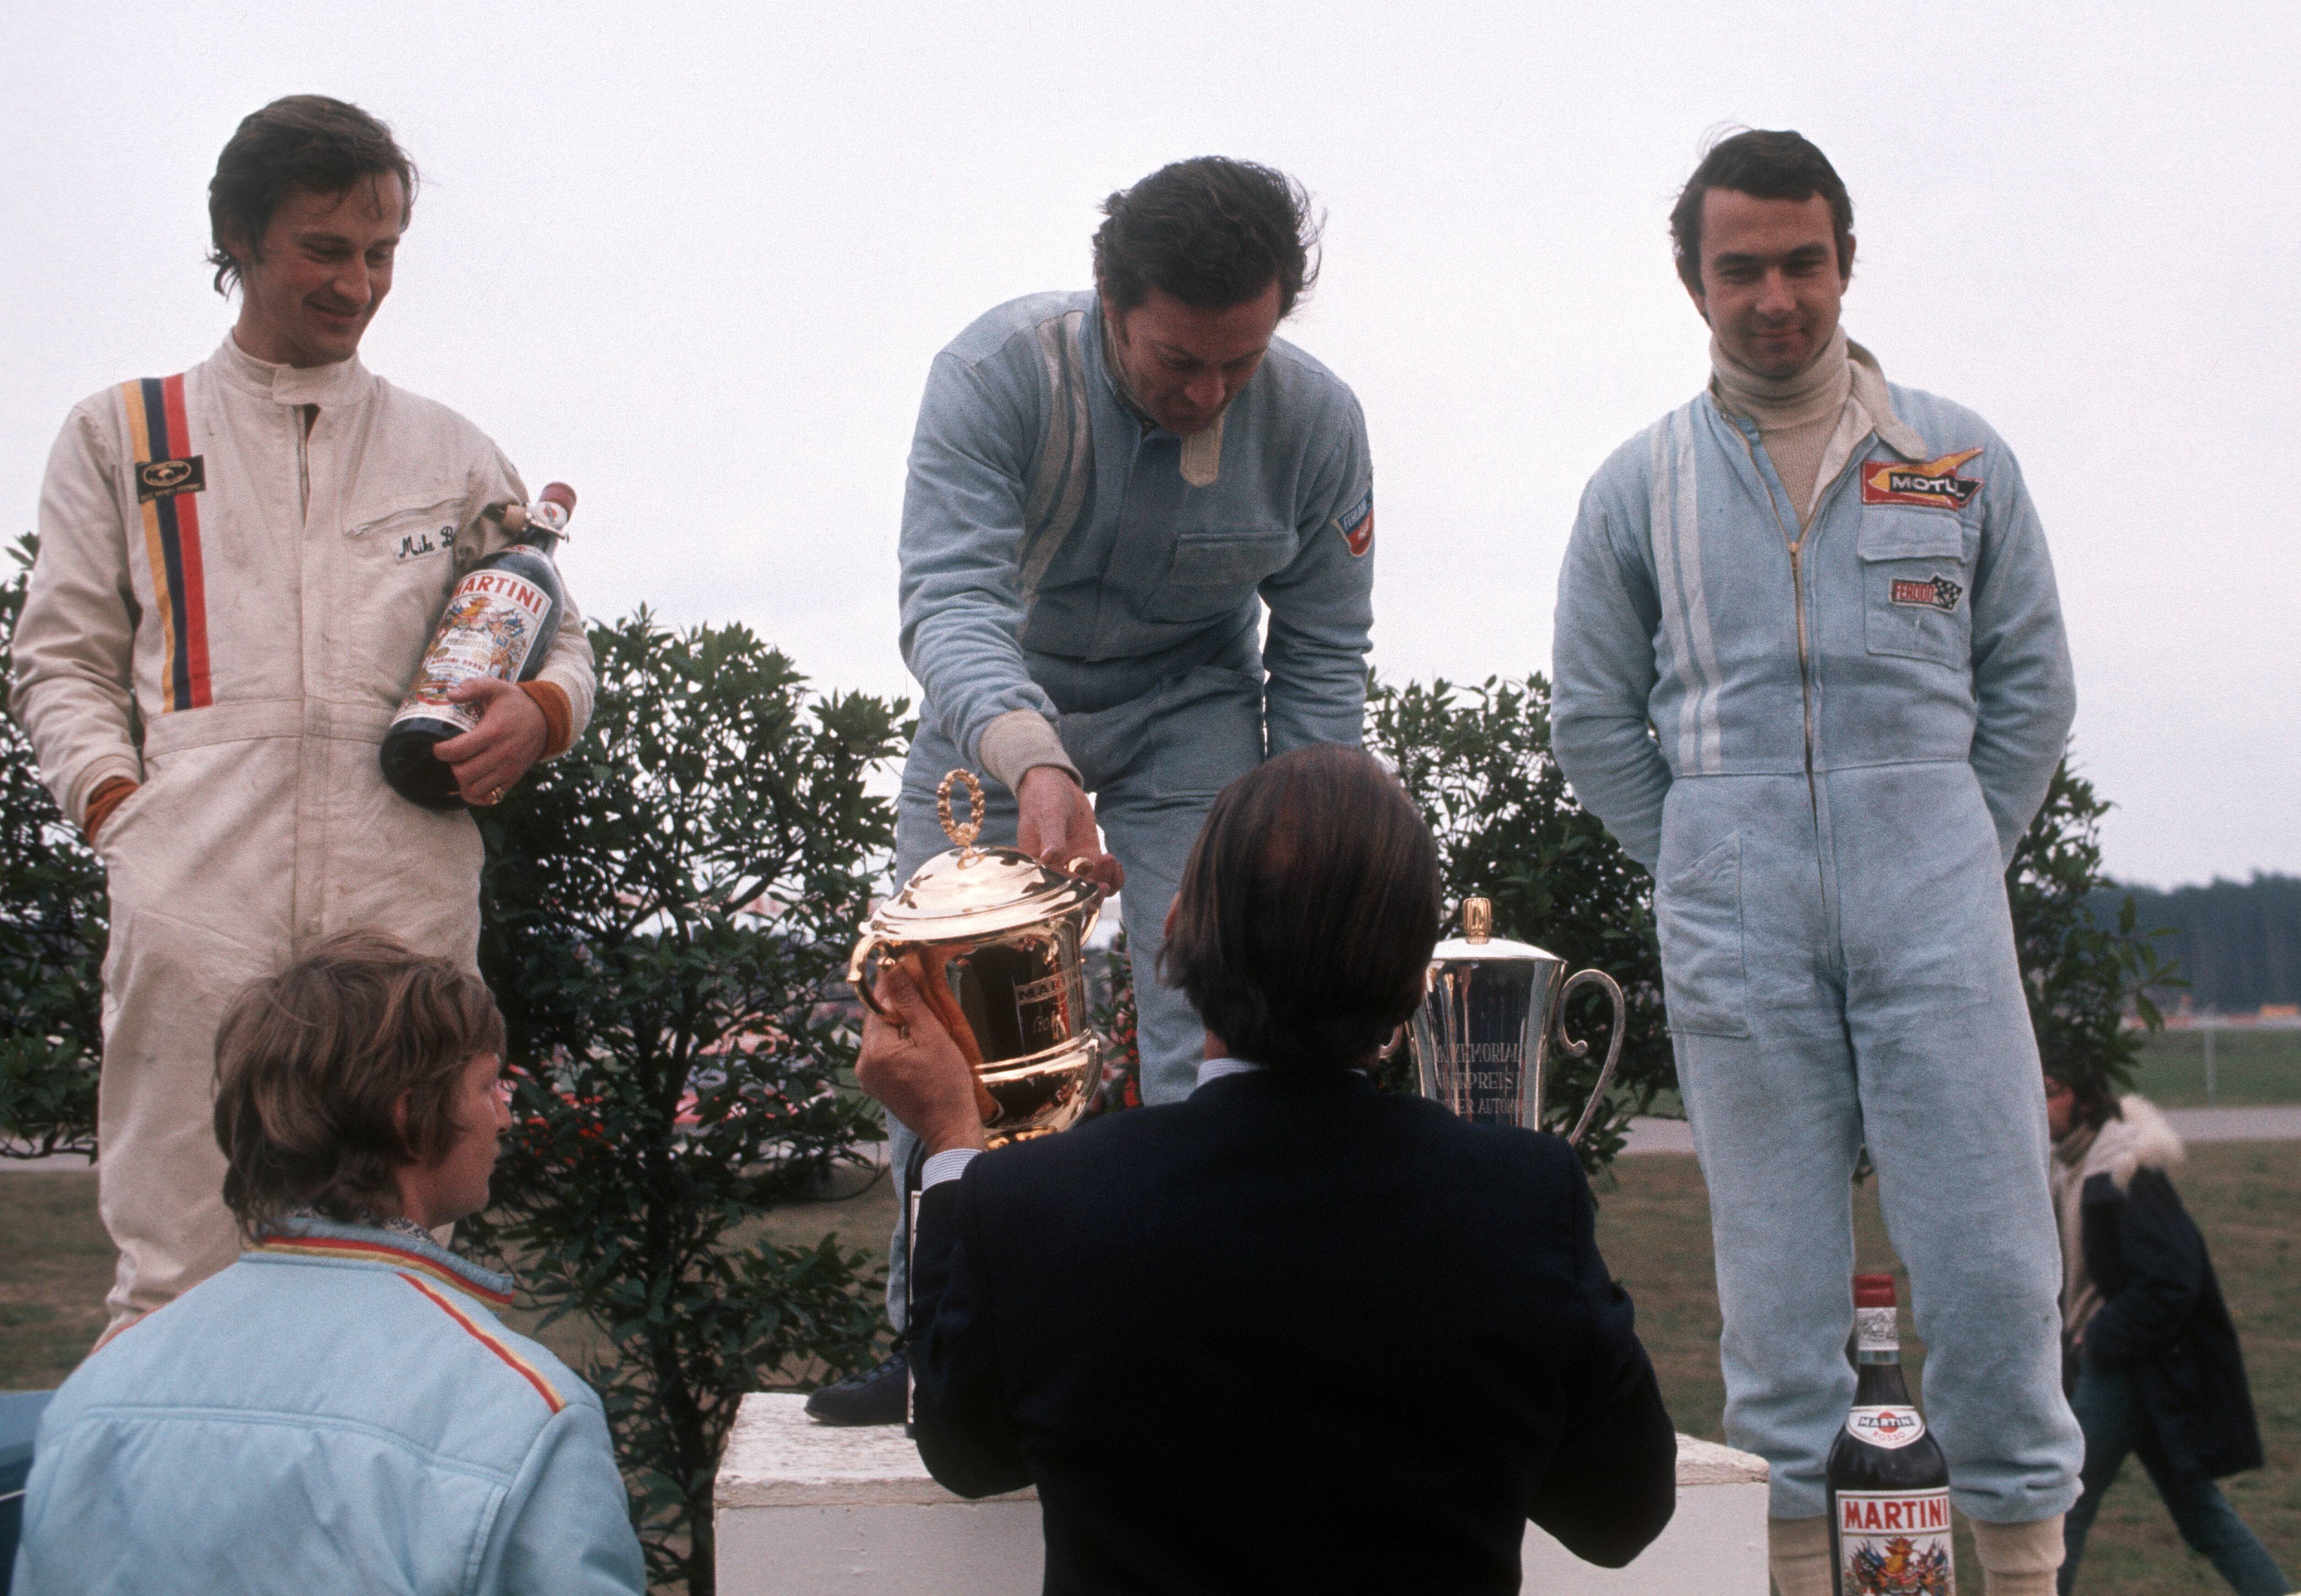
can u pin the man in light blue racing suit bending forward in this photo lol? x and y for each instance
(1107, 490)
(1809, 671)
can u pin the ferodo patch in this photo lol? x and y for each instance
(1936, 593)
(1927, 484)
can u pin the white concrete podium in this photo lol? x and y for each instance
(803, 1509)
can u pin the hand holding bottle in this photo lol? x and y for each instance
(489, 760)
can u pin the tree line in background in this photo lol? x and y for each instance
(666, 912)
(2237, 943)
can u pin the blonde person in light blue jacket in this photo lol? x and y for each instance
(1810, 669)
(340, 1409)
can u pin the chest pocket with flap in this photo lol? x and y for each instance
(1917, 584)
(1213, 572)
(409, 529)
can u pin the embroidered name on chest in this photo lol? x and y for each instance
(1926, 484)
(163, 479)
(1936, 593)
(415, 546)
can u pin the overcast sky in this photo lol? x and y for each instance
(695, 261)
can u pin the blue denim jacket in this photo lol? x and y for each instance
(1058, 557)
(339, 1410)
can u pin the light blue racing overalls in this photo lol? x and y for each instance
(1061, 556)
(1825, 747)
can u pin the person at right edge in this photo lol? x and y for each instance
(1809, 671)
(2152, 1355)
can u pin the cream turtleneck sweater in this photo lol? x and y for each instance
(1797, 416)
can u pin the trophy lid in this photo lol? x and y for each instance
(1478, 944)
(970, 891)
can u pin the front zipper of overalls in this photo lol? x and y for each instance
(1796, 546)
(310, 773)
(305, 414)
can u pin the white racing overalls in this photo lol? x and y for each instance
(1850, 731)
(1059, 558)
(244, 563)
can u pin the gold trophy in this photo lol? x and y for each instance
(994, 939)
(1489, 1017)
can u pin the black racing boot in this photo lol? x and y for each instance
(876, 1396)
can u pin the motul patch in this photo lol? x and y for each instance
(1936, 593)
(1357, 525)
(160, 479)
(1929, 484)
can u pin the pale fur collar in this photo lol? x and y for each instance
(2142, 1140)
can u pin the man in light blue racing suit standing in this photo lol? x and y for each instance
(1809, 671)
(1107, 491)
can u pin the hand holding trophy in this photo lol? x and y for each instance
(994, 940)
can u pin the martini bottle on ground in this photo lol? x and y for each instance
(499, 621)
(1889, 1520)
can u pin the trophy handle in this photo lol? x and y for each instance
(1574, 1050)
(855, 977)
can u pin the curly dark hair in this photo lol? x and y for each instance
(1765, 165)
(1211, 231)
(1307, 913)
(312, 1063)
(304, 141)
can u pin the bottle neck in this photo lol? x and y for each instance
(1878, 1381)
(540, 538)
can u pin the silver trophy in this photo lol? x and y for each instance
(1489, 1018)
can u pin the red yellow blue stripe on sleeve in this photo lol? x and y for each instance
(163, 438)
(493, 1343)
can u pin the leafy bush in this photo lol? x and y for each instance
(2082, 976)
(52, 919)
(667, 915)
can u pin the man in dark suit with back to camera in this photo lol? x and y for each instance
(1340, 1340)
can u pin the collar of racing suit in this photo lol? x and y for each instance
(329, 386)
(1115, 373)
(1845, 378)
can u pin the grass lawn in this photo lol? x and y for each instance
(1654, 1222)
(1654, 1227)
(2250, 1067)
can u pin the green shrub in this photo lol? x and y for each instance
(668, 910)
(2083, 977)
(53, 925)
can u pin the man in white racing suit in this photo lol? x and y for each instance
(239, 568)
